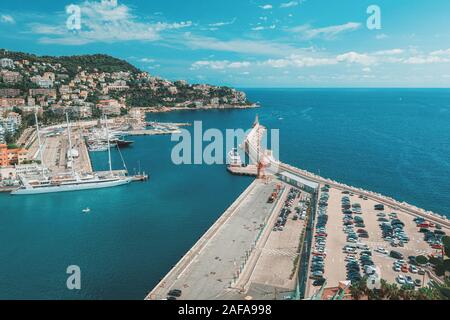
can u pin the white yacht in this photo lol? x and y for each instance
(233, 158)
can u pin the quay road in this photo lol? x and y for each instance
(251, 149)
(211, 268)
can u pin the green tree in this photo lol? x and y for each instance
(421, 260)
(9, 138)
(446, 242)
(359, 289)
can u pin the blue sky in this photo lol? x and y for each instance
(248, 43)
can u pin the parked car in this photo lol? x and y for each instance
(175, 293)
(318, 282)
(401, 279)
(413, 269)
(396, 254)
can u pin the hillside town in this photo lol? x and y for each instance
(86, 88)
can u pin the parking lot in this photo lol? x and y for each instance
(276, 266)
(359, 236)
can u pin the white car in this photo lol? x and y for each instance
(413, 269)
(381, 250)
(401, 279)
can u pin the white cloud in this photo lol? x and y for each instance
(254, 47)
(6, 18)
(389, 52)
(289, 4)
(311, 58)
(147, 60)
(266, 7)
(102, 22)
(327, 32)
(354, 57)
(441, 52)
(222, 23)
(277, 63)
(299, 61)
(260, 28)
(302, 61)
(425, 60)
(381, 36)
(219, 65)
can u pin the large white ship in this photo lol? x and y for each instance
(233, 158)
(50, 185)
(70, 181)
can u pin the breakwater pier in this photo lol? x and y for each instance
(257, 248)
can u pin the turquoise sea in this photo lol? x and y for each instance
(394, 141)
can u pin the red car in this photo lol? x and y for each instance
(319, 254)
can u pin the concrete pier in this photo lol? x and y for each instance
(211, 269)
(249, 170)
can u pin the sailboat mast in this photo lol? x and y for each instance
(39, 141)
(109, 147)
(70, 143)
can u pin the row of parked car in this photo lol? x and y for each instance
(407, 282)
(433, 237)
(352, 219)
(354, 265)
(286, 210)
(317, 267)
(392, 230)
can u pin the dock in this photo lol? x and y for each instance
(249, 170)
(151, 132)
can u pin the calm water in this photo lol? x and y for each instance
(396, 142)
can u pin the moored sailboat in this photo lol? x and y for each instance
(71, 181)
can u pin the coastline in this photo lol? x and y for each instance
(207, 107)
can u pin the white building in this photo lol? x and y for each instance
(7, 63)
(307, 185)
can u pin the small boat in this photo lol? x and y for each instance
(87, 210)
(123, 143)
(97, 148)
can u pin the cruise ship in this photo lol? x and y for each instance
(69, 181)
(233, 158)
